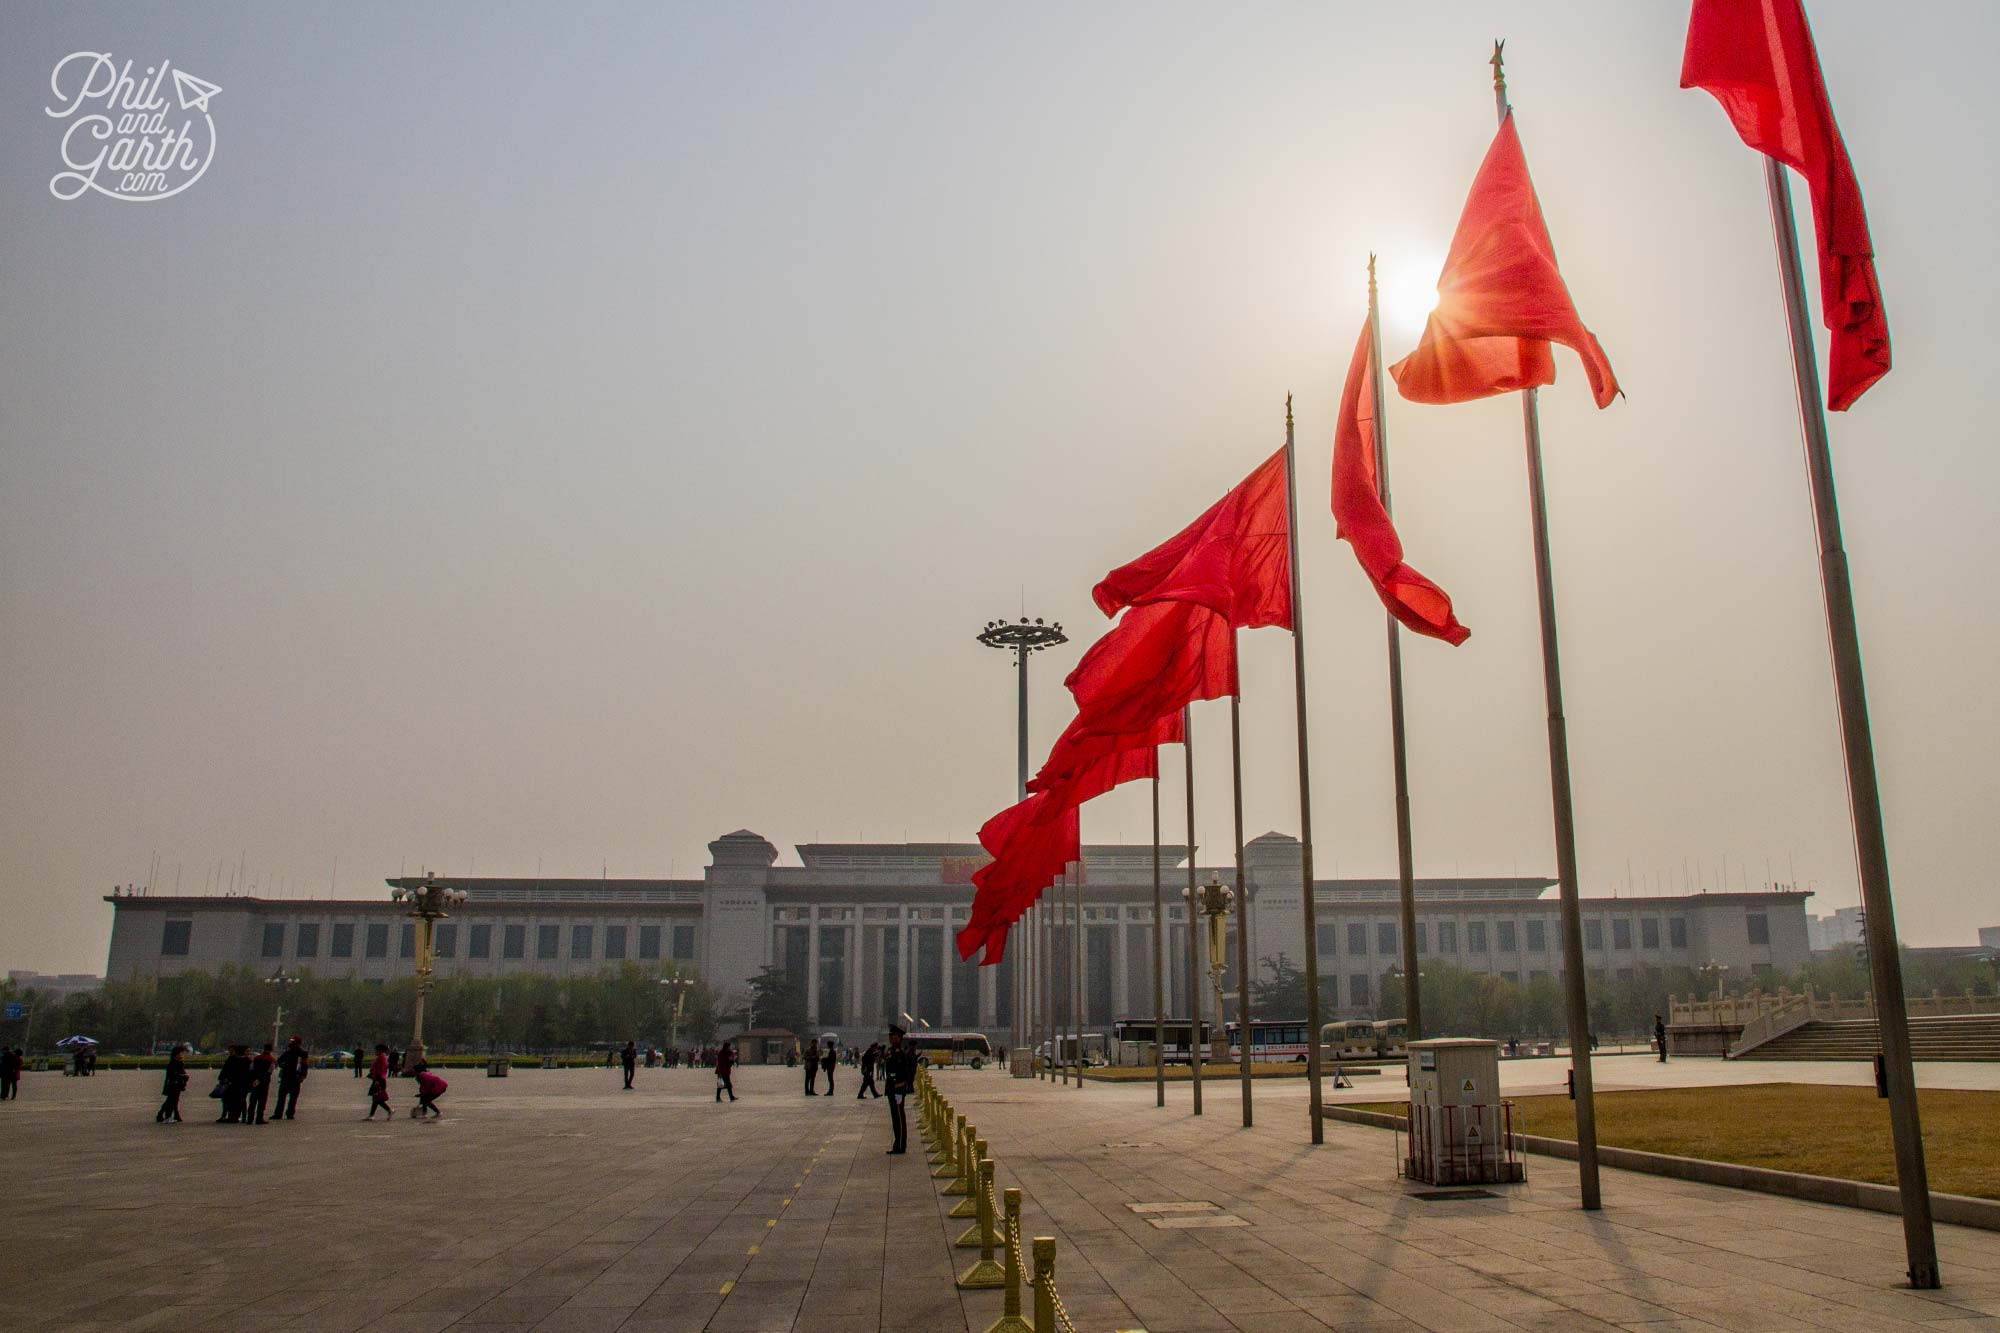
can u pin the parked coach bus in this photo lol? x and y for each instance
(1274, 1041)
(1139, 1032)
(1366, 1039)
(950, 1048)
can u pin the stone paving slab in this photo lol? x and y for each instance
(555, 1200)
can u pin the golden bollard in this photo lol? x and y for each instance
(1010, 1320)
(941, 1139)
(969, 1205)
(968, 1165)
(984, 1273)
(948, 1168)
(1045, 1282)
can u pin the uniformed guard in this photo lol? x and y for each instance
(899, 1070)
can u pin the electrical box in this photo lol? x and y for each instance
(1461, 1131)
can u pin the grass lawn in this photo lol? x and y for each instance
(1821, 1131)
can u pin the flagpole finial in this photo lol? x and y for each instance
(1288, 411)
(1371, 279)
(1499, 63)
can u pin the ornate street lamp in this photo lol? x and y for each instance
(1215, 901)
(279, 981)
(427, 903)
(678, 987)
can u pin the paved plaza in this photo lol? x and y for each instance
(555, 1200)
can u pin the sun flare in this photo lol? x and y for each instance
(1407, 287)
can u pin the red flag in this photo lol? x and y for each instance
(1031, 843)
(1156, 660)
(1501, 298)
(1235, 559)
(1364, 523)
(1075, 766)
(1757, 58)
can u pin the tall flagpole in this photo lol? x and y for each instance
(1081, 991)
(1066, 981)
(1413, 1008)
(1195, 1045)
(1864, 796)
(1242, 897)
(1559, 789)
(1159, 955)
(1045, 956)
(1317, 1108)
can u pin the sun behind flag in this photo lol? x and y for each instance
(1501, 298)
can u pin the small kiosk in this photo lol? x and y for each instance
(1461, 1132)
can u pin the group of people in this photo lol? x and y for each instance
(430, 1086)
(242, 1084)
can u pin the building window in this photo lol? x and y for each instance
(1423, 937)
(684, 942)
(274, 939)
(833, 975)
(546, 940)
(1385, 938)
(1593, 932)
(406, 940)
(1447, 937)
(1475, 937)
(1677, 932)
(514, 942)
(1649, 932)
(1357, 989)
(1538, 935)
(1511, 978)
(1621, 932)
(1505, 931)
(444, 941)
(1624, 974)
(649, 941)
(614, 941)
(343, 941)
(308, 941)
(1357, 938)
(175, 937)
(479, 942)
(1760, 927)
(579, 941)
(377, 940)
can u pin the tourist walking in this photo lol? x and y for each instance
(293, 1066)
(11, 1061)
(359, 1061)
(812, 1067)
(261, 1069)
(828, 1058)
(629, 1057)
(232, 1085)
(1660, 1036)
(869, 1059)
(429, 1088)
(899, 1070)
(725, 1060)
(378, 1082)
(171, 1089)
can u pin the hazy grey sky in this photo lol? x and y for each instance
(557, 435)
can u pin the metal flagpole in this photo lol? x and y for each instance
(1242, 897)
(1082, 991)
(1159, 956)
(1559, 789)
(1195, 1049)
(1021, 786)
(1864, 796)
(1308, 907)
(1066, 984)
(1405, 857)
(1043, 957)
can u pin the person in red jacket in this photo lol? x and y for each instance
(378, 1083)
(725, 1060)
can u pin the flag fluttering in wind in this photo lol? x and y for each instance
(1501, 298)
(1174, 645)
(1757, 58)
(1363, 521)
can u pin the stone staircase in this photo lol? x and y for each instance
(1959, 1037)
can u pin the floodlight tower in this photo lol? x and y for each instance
(1022, 637)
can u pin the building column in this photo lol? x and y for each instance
(812, 968)
(903, 962)
(945, 956)
(855, 972)
(1121, 966)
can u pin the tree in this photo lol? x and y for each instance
(1280, 993)
(778, 1000)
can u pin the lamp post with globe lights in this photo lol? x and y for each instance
(427, 901)
(1022, 637)
(1214, 900)
(677, 987)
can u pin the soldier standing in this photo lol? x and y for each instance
(899, 1068)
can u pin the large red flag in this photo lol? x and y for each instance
(1235, 559)
(1156, 660)
(1757, 58)
(1501, 298)
(1362, 520)
(1031, 843)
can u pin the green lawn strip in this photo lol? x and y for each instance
(1809, 1128)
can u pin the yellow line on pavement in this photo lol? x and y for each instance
(773, 1222)
(728, 1286)
(753, 1249)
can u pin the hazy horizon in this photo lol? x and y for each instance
(555, 438)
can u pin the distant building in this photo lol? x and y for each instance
(1826, 933)
(59, 985)
(1989, 937)
(867, 928)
